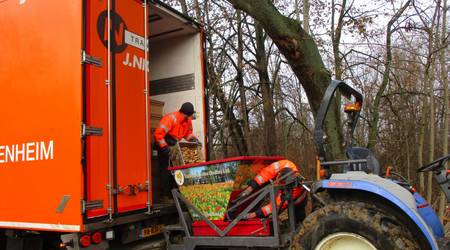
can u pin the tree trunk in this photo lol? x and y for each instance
(431, 135)
(198, 12)
(184, 8)
(240, 81)
(306, 16)
(231, 122)
(444, 78)
(336, 33)
(429, 76)
(303, 56)
(212, 132)
(421, 144)
(373, 133)
(408, 160)
(423, 129)
(297, 10)
(270, 131)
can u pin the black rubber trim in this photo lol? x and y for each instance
(206, 97)
(84, 108)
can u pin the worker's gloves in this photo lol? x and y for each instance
(194, 139)
(250, 216)
(247, 191)
(165, 150)
(243, 194)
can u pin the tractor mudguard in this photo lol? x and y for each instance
(397, 195)
(429, 215)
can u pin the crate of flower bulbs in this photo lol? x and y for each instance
(184, 153)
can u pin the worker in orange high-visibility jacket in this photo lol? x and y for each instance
(172, 128)
(272, 171)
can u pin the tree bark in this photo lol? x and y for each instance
(302, 54)
(306, 18)
(240, 81)
(297, 10)
(428, 80)
(184, 8)
(198, 12)
(421, 144)
(270, 131)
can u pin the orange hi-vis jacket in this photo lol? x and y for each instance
(176, 125)
(270, 172)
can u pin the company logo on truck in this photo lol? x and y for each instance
(119, 27)
(121, 37)
(28, 151)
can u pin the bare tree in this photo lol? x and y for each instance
(303, 56)
(444, 79)
(336, 33)
(385, 81)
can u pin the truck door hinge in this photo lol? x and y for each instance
(90, 131)
(88, 59)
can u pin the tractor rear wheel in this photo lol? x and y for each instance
(352, 225)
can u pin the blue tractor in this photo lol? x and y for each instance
(355, 206)
(361, 205)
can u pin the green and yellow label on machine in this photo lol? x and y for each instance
(210, 185)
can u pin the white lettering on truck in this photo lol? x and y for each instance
(29, 151)
(137, 62)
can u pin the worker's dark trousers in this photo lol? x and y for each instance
(300, 212)
(167, 183)
(166, 180)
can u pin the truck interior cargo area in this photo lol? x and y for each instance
(165, 24)
(176, 69)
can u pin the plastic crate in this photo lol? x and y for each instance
(179, 153)
(255, 227)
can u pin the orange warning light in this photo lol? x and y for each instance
(352, 107)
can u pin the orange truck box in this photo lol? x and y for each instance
(73, 146)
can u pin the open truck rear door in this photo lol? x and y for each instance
(122, 110)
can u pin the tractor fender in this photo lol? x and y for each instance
(395, 194)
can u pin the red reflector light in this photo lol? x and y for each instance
(340, 184)
(97, 238)
(85, 240)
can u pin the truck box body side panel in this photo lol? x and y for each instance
(97, 107)
(130, 107)
(41, 100)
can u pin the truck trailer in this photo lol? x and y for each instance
(77, 168)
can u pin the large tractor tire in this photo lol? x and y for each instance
(352, 225)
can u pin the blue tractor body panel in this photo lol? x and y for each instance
(429, 215)
(424, 218)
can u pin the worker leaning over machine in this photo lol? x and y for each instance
(272, 171)
(172, 128)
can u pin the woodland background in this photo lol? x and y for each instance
(269, 62)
